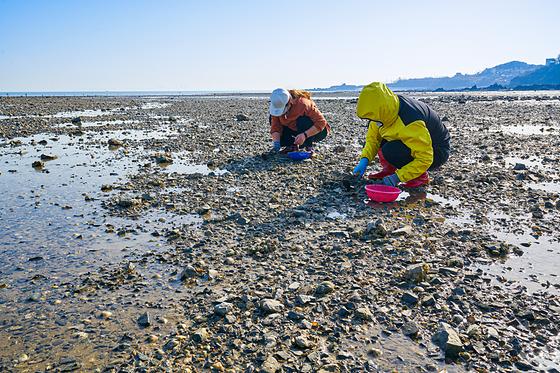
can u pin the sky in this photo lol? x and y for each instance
(221, 45)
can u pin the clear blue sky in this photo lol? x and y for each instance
(63, 45)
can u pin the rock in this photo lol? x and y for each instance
(200, 335)
(410, 329)
(271, 306)
(416, 272)
(339, 149)
(403, 231)
(448, 340)
(48, 157)
(242, 118)
(127, 202)
(38, 164)
(163, 159)
(77, 120)
(105, 315)
(325, 287)
(270, 365)
(223, 308)
(375, 352)
(519, 167)
(152, 338)
(364, 313)
(492, 333)
(188, 272)
(302, 342)
(409, 298)
(428, 301)
(144, 320)
(115, 142)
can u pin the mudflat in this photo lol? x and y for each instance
(159, 233)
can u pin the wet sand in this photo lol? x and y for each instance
(186, 245)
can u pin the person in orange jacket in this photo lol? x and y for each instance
(295, 120)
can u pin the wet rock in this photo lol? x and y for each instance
(38, 164)
(403, 231)
(223, 308)
(270, 365)
(163, 158)
(201, 335)
(128, 202)
(144, 320)
(302, 342)
(48, 157)
(409, 298)
(188, 272)
(325, 287)
(519, 167)
(105, 315)
(271, 306)
(448, 340)
(77, 120)
(115, 142)
(364, 313)
(410, 329)
(242, 118)
(416, 272)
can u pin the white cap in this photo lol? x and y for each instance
(279, 102)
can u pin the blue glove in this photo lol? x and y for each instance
(276, 145)
(361, 167)
(391, 180)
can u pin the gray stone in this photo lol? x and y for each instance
(364, 313)
(145, 320)
(409, 298)
(448, 340)
(416, 272)
(200, 335)
(223, 308)
(410, 329)
(271, 306)
(270, 365)
(324, 287)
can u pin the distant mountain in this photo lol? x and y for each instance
(498, 75)
(339, 88)
(546, 75)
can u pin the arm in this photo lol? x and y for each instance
(373, 140)
(319, 121)
(418, 139)
(275, 129)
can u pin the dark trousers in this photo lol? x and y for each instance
(303, 124)
(399, 155)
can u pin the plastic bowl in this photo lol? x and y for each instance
(299, 156)
(382, 193)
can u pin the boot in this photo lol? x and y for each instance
(387, 170)
(419, 181)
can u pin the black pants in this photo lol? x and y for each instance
(399, 155)
(303, 124)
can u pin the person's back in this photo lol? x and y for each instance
(411, 110)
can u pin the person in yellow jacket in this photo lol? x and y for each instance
(405, 133)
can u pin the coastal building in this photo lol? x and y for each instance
(550, 61)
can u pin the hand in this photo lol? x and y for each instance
(361, 167)
(300, 139)
(276, 146)
(391, 180)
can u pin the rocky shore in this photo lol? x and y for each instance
(159, 234)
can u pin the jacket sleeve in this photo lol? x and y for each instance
(418, 139)
(316, 117)
(275, 125)
(373, 141)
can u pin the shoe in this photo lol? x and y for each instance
(419, 181)
(288, 149)
(387, 170)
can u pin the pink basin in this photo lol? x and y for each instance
(382, 193)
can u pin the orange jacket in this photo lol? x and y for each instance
(300, 106)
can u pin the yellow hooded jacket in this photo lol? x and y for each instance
(379, 104)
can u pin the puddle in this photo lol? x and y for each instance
(335, 215)
(187, 167)
(553, 187)
(100, 123)
(530, 129)
(154, 105)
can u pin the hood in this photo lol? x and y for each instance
(378, 103)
